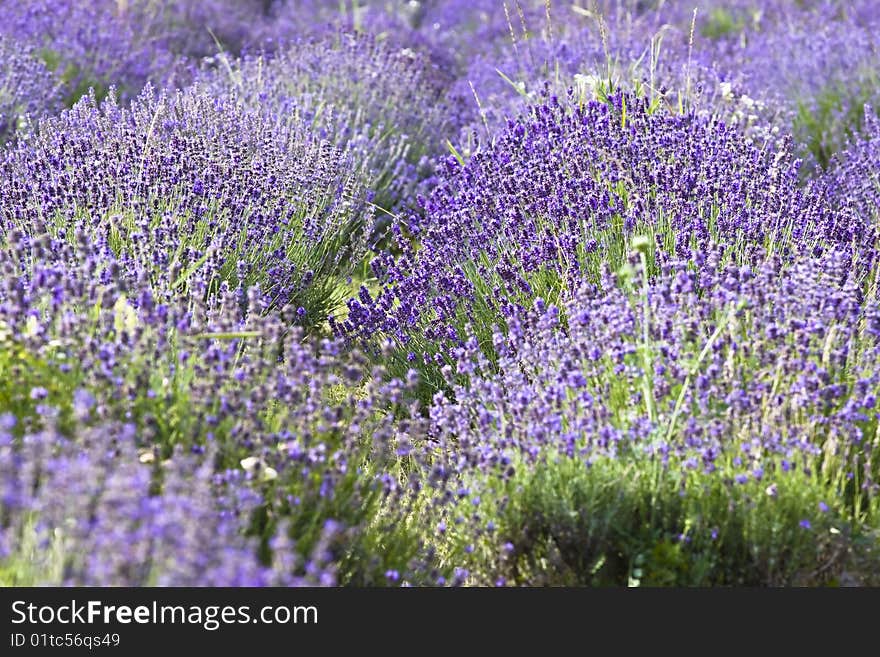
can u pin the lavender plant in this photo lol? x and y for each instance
(711, 426)
(854, 178)
(627, 336)
(381, 103)
(27, 89)
(193, 182)
(89, 44)
(567, 189)
(715, 58)
(596, 57)
(807, 67)
(92, 356)
(156, 260)
(125, 44)
(91, 512)
(827, 85)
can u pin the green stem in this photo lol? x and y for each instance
(687, 380)
(647, 364)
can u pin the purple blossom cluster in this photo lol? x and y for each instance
(101, 516)
(594, 56)
(770, 68)
(28, 90)
(819, 78)
(753, 376)
(194, 182)
(854, 177)
(155, 260)
(384, 104)
(90, 44)
(126, 43)
(804, 68)
(747, 368)
(569, 187)
(204, 404)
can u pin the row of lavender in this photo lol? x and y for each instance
(435, 293)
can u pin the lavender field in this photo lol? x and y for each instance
(439, 293)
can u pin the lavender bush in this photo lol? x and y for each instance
(27, 88)
(93, 513)
(155, 270)
(599, 53)
(854, 178)
(127, 43)
(771, 68)
(567, 189)
(115, 383)
(806, 67)
(90, 44)
(384, 104)
(192, 182)
(824, 69)
(749, 386)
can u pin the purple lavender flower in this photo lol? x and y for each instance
(854, 178)
(189, 184)
(731, 405)
(28, 90)
(383, 104)
(571, 186)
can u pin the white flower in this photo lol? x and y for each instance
(586, 84)
(31, 327)
(124, 315)
(250, 463)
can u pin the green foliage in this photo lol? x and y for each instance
(76, 82)
(633, 522)
(721, 23)
(826, 122)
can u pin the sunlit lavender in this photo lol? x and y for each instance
(486, 293)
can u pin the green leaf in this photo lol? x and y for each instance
(520, 87)
(455, 152)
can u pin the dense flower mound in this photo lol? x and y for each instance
(824, 69)
(91, 44)
(27, 88)
(382, 103)
(125, 44)
(698, 56)
(107, 377)
(568, 188)
(674, 375)
(195, 181)
(751, 375)
(91, 512)
(854, 177)
(806, 67)
(598, 55)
